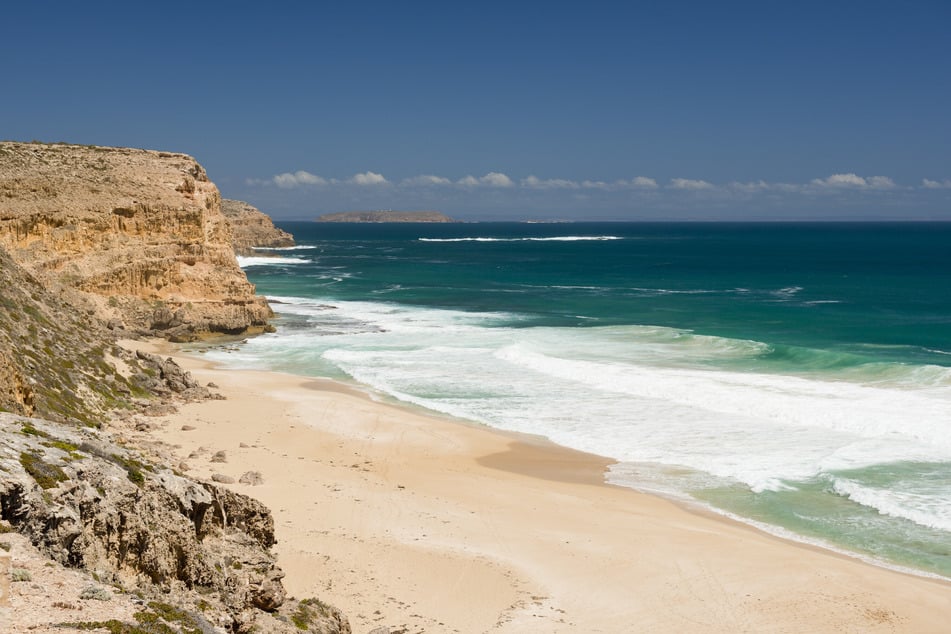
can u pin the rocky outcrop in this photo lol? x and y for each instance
(138, 234)
(250, 227)
(386, 216)
(95, 505)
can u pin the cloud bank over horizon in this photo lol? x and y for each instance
(843, 181)
(498, 194)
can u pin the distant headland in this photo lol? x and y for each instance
(386, 216)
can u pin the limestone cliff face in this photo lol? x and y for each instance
(138, 232)
(250, 228)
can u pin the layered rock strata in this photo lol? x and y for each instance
(251, 228)
(138, 233)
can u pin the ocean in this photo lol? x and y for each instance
(793, 376)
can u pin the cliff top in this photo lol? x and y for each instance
(35, 177)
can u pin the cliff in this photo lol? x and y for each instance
(137, 234)
(95, 242)
(86, 495)
(250, 228)
(386, 216)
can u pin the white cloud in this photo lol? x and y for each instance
(689, 184)
(533, 182)
(427, 180)
(880, 182)
(764, 186)
(853, 181)
(840, 180)
(638, 182)
(753, 186)
(930, 184)
(496, 179)
(492, 179)
(368, 178)
(642, 182)
(289, 180)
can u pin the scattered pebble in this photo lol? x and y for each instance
(220, 456)
(253, 478)
(223, 479)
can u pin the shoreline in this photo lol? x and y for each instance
(560, 470)
(528, 533)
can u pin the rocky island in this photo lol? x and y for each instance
(385, 216)
(100, 528)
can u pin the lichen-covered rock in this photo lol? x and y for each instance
(250, 227)
(144, 528)
(139, 233)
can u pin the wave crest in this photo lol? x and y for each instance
(251, 260)
(548, 239)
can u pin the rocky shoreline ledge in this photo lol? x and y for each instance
(99, 530)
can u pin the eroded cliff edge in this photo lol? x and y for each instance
(251, 228)
(137, 235)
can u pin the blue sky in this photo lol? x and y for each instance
(599, 110)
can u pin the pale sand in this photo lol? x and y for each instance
(400, 518)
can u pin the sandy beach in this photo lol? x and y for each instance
(407, 520)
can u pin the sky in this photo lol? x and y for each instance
(676, 110)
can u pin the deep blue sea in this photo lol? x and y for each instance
(796, 376)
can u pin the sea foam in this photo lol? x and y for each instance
(245, 261)
(636, 394)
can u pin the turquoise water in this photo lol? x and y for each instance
(794, 375)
